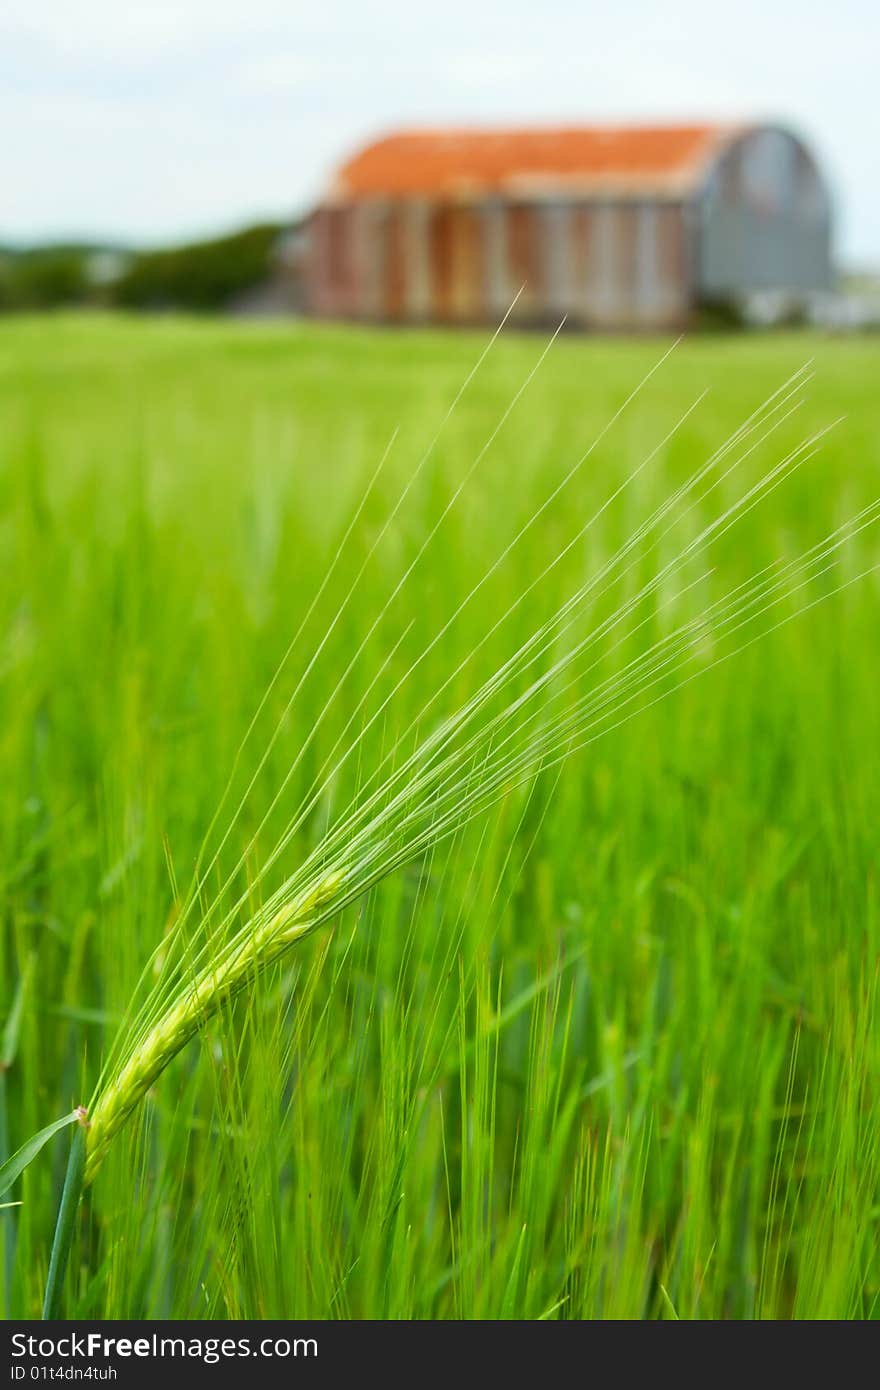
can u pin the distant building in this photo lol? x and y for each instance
(614, 227)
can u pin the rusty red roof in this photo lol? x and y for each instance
(461, 162)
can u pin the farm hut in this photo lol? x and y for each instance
(632, 227)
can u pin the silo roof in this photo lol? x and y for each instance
(593, 159)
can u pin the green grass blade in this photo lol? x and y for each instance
(12, 1027)
(16, 1164)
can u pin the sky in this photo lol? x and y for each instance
(152, 123)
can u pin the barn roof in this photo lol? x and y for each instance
(461, 163)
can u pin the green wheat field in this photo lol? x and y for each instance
(608, 1046)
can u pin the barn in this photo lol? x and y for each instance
(614, 227)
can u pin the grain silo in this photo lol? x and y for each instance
(618, 227)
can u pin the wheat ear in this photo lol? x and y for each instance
(209, 990)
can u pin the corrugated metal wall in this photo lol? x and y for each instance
(615, 264)
(764, 220)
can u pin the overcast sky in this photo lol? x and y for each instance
(155, 121)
